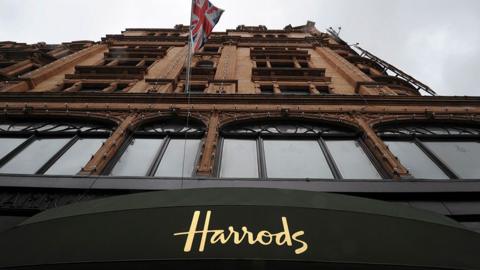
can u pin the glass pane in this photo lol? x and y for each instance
(34, 156)
(76, 157)
(295, 159)
(8, 144)
(352, 162)
(137, 158)
(173, 161)
(415, 160)
(239, 159)
(462, 157)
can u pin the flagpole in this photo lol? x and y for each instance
(190, 45)
(187, 84)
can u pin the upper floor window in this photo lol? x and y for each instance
(211, 49)
(280, 58)
(435, 151)
(164, 149)
(94, 86)
(284, 64)
(53, 148)
(298, 88)
(293, 150)
(205, 64)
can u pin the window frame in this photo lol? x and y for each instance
(420, 141)
(166, 136)
(319, 138)
(32, 135)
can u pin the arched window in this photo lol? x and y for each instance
(280, 149)
(435, 151)
(161, 149)
(48, 147)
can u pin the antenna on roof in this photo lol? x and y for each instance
(336, 34)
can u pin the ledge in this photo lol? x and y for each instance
(236, 99)
(145, 183)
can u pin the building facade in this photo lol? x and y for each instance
(294, 109)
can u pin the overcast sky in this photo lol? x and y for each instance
(436, 41)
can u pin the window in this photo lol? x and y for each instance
(282, 149)
(87, 86)
(211, 49)
(196, 89)
(295, 90)
(282, 64)
(53, 148)
(295, 159)
(304, 64)
(261, 64)
(267, 89)
(435, 151)
(204, 64)
(239, 158)
(165, 149)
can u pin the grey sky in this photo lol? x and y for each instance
(436, 41)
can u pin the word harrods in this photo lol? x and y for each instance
(223, 237)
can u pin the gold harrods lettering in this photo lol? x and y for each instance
(263, 237)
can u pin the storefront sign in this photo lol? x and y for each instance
(240, 235)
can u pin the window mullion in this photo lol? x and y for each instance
(57, 155)
(198, 154)
(17, 150)
(262, 167)
(158, 157)
(218, 165)
(444, 167)
(383, 173)
(330, 160)
(111, 164)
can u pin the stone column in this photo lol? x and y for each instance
(207, 160)
(381, 151)
(109, 149)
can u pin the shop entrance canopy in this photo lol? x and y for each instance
(235, 228)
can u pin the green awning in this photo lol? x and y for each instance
(287, 229)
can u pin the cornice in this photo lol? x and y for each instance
(451, 101)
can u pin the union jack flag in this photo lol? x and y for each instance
(204, 17)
